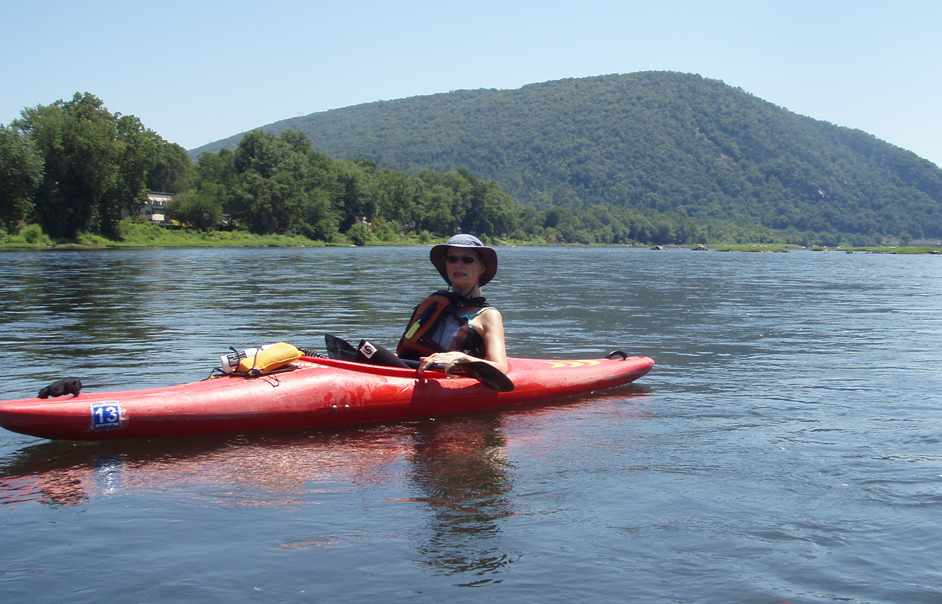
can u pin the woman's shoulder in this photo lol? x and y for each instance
(489, 313)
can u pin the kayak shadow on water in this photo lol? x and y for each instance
(458, 463)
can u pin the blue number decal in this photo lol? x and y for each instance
(106, 415)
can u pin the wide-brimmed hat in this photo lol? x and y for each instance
(487, 255)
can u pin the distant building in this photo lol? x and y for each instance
(155, 206)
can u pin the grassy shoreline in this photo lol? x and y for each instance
(287, 241)
(896, 249)
(141, 235)
(788, 247)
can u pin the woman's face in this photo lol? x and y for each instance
(464, 267)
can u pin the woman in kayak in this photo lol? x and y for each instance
(457, 325)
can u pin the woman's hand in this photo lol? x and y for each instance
(446, 360)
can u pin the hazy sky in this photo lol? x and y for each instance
(199, 71)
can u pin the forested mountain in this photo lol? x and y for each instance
(671, 142)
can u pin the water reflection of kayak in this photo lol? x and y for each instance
(252, 470)
(317, 393)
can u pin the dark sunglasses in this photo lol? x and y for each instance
(465, 259)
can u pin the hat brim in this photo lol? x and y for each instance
(487, 255)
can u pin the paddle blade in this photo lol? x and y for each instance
(487, 374)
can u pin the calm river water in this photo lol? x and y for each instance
(786, 448)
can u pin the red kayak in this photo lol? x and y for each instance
(315, 393)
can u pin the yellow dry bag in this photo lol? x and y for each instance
(261, 360)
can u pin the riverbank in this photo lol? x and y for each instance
(143, 235)
(916, 249)
(788, 247)
(139, 235)
(753, 247)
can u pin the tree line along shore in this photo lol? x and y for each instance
(75, 176)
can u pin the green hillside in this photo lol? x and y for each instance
(665, 141)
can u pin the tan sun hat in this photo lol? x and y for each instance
(487, 255)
